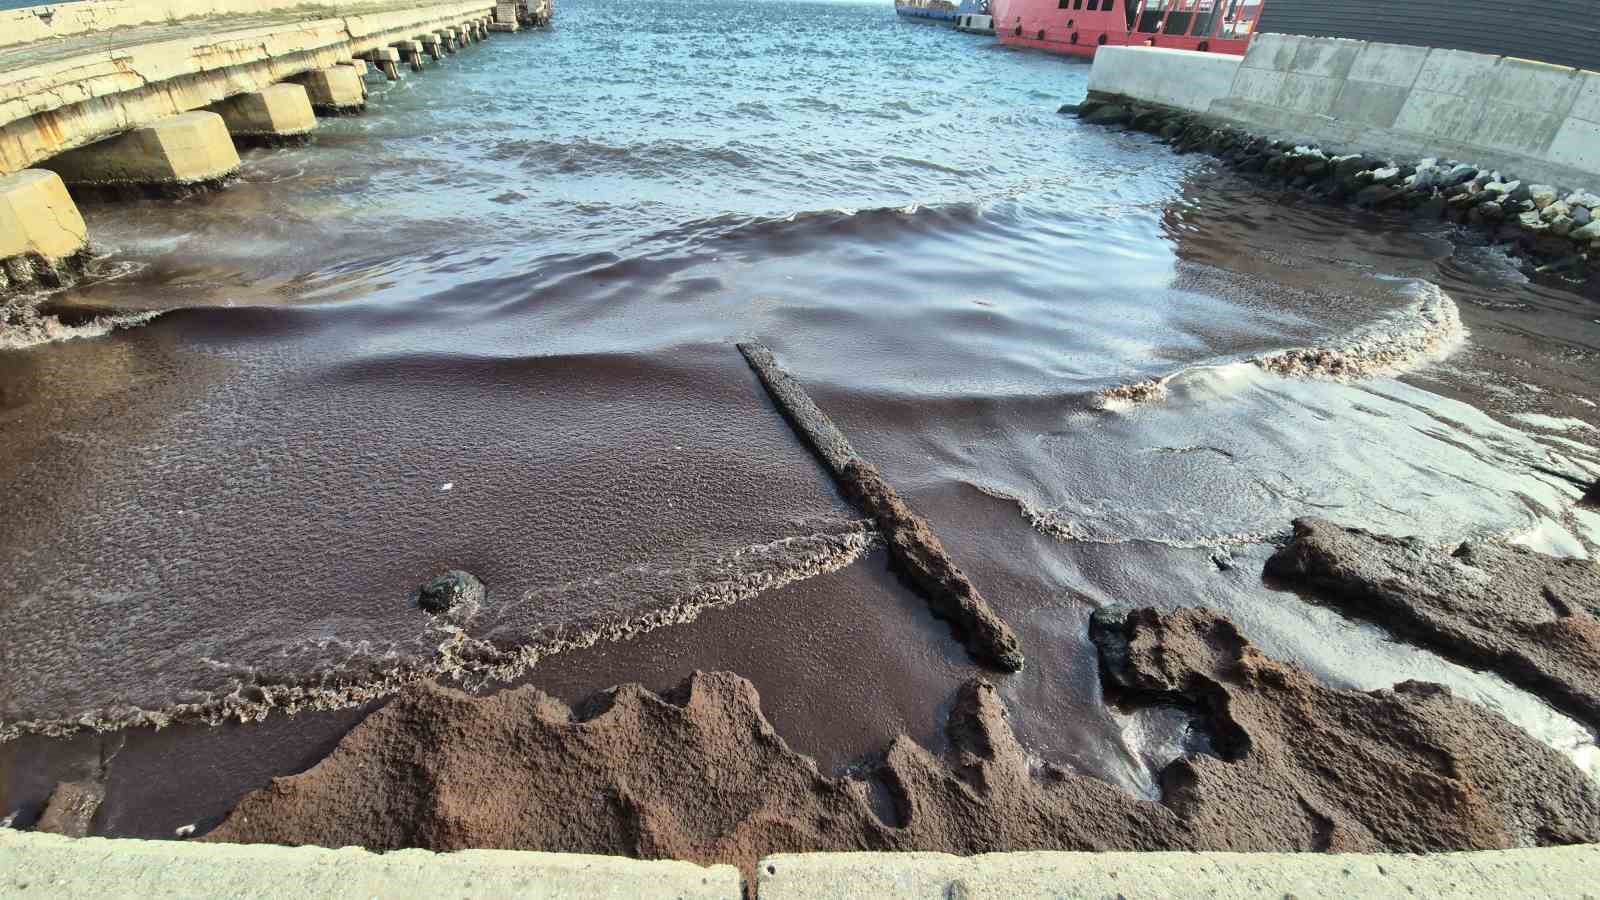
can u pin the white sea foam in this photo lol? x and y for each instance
(1429, 329)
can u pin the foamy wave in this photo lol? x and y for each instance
(23, 326)
(473, 658)
(1426, 331)
(1082, 526)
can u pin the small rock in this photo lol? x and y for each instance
(1531, 222)
(1581, 215)
(1110, 114)
(183, 831)
(1488, 211)
(1460, 175)
(1589, 232)
(71, 808)
(1068, 109)
(1374, 196)
(1519, 193)
(1542, 195)
(1554, 211)
(1584, 199)
(1386, 175)
(1499, 187)
(447, 591)
(1560, 226)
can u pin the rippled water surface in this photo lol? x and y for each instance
(489, 325)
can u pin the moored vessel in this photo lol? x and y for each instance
(967, 16)
(1080, 27)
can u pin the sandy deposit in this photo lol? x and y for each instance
(698, 773)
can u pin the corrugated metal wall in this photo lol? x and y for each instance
(1564, 32)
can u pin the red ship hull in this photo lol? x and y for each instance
(1080, 27)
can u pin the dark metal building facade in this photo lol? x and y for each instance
(1564, 32)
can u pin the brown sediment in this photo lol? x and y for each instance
(71, 808)
(1521, 614)
(699, 774)
(914, 550)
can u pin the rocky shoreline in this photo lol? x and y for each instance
(1554, 231)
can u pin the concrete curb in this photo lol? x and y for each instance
(39, 865)
(47, 865)
(1498, 874)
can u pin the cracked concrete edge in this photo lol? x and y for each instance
(1498, 874)
(47, 865)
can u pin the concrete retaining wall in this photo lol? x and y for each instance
(33, 864)
(1541, 121)
(1185, 79)
(63, 103)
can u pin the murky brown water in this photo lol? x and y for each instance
(509, 348)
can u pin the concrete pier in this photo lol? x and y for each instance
(433, 44)
(91, 70)
(335, 91)
(274, 115)
(185, 150)
(42, 234)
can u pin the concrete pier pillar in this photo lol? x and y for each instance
(42, 235)
(335, 91)
(410, 53)
(505, 16)
(433, 44)
(387, 61)
(177, 153)
(276, 114)
(451, 42)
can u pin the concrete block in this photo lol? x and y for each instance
(1257, 86)
(1329, 58)
(1369, 103)
(1311, 94)
(1397, 65)
(38, 217)
(1273, 52)
(97, 867)
(1520, 129)
(359, 66)
(1443, 115)
(1577, 144)
(275, 113)
(1536, 85)
(1587, 104)
(1456, 72)
(1541, 872)
(1183, 79)
(188, 148)
(334, 91)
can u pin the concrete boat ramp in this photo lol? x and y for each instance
(141, 96)
(43, 865)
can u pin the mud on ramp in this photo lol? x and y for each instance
(698, 773)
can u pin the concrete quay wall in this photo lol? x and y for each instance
(58, 104)
(1539, 120)
(59, 20)
(33, 864)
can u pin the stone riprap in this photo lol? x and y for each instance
(1554, 229)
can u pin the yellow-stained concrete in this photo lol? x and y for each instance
(335, 90)
(38, 217)
(184, 149)
(277, 111)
